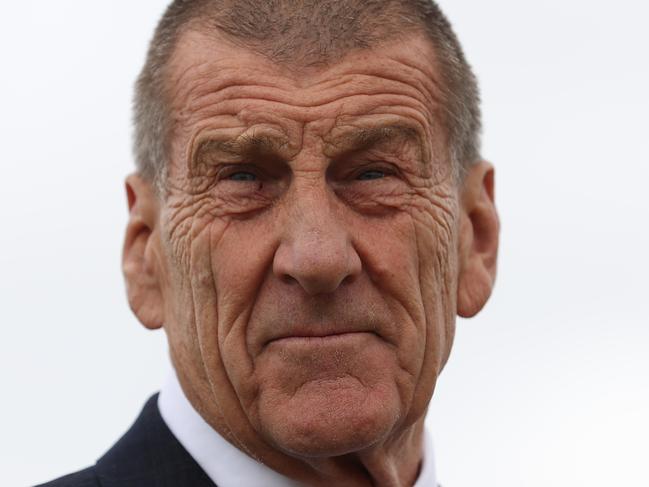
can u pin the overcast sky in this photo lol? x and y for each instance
(548, 386)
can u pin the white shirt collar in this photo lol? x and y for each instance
(226, 465)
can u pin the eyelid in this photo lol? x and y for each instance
(227, 170)
(382, 166)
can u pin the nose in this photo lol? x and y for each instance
(316, 250)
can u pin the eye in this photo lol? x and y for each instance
(370, 175)
(243, 176)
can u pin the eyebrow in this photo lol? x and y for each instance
(368, 137)
(242, 145)
(356, 140)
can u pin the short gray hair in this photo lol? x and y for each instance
(311, 32)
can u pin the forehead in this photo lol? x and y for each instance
(215, 83)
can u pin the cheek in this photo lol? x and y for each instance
(412, 259)
(391, 257)
(217, 266)
(435, 225)
(190, 296)
(241, 260)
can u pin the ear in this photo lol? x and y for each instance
(478, 245)
(139, 264)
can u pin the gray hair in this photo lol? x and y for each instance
(309, 32)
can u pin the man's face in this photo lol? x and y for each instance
(307, 250)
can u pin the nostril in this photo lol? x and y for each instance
(347, 280)
(288, 279)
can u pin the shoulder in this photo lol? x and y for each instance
(148, 455)
(84, 478)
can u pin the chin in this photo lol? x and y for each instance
(331, 418)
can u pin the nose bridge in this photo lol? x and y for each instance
(311, 210)
(316, 249)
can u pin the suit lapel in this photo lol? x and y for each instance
(149, 455)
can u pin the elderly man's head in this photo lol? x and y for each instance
(309, 216)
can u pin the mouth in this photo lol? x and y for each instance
(321, 338)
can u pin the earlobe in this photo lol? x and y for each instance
(139, 264)
(478, 240)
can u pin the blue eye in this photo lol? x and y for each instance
(242, 176)
(370, 175)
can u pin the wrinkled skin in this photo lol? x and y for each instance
(311, 254)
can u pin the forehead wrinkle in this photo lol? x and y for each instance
(221, 75)
(197, 93)
(234, 91)
(278, 82)
(259, 110)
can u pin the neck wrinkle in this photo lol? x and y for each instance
(398, 462)
(394, 463)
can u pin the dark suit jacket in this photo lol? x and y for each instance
(148, 455)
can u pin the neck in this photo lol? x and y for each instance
(393, 464)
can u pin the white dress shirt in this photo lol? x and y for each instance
(226, 465)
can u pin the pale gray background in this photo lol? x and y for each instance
(548, 387)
